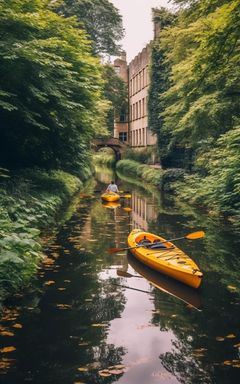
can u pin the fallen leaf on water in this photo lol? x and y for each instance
(231, 287)
(116, 371)
(99, 325)
(61, 289)
(104, 373)
(67, 281)
(218, 338)
(6, 333)
(50, 282)
(231, 336)
(237, 345)
(7, 349)
(17, 325)
(83, 369)
(63, 306)
(84, 343)
(88, 299)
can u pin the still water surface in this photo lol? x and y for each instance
(94, 317)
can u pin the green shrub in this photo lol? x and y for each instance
(30, 201)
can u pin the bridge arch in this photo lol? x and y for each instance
(115, 144)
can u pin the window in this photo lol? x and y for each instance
(117, 70)
(140, 109)
(123, 136)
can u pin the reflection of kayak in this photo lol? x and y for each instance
(111, 196)
(170, 286)
(111, 204)
(165, 258)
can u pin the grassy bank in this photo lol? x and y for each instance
(144, 172)
(30, 203)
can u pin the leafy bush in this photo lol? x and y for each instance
(29, 202)
(104, 158)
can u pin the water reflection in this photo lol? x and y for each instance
(82, 317)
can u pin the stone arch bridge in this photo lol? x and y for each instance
(115, 144)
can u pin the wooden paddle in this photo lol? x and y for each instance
(126, 274)
(189, 236)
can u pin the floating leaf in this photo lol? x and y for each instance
(116, 371)
(17, 325)
(7, 349)
(231, 336)
(83, 369)
(231, 287)
(219, 338)
(6, 333)
(50, 282)
(63, 306)
(99, 325)
(237, 345)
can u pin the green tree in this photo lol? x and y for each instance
(203, 101)
(115, 90)
(159, 82)
(51, 102)
(100, 19)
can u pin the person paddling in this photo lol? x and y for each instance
(112, 187)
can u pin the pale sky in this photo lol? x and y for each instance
(137, 22)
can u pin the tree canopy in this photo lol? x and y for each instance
(101, 20)
(51, 101)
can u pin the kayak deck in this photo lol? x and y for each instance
(164, 257)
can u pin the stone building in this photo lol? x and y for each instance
(132, 125)
(138, 79)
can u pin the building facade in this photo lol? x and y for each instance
(132, 126)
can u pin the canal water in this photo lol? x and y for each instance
(94, 317)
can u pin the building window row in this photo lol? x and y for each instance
(139, 81)
(139, 137)
(138, 109)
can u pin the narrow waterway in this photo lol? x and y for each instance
(94, 317)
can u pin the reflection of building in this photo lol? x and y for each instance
(142, 212)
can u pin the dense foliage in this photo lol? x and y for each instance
(29, 203)
(115, 91)
(199, 107)
(51, 101)
(100, 19)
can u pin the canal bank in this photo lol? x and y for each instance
(33, 203)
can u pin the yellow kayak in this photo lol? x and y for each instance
(165, 258)
(110, 196)
(111, 204)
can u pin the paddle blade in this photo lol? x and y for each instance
(195, 235)
(123, 273)
(115, 250)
